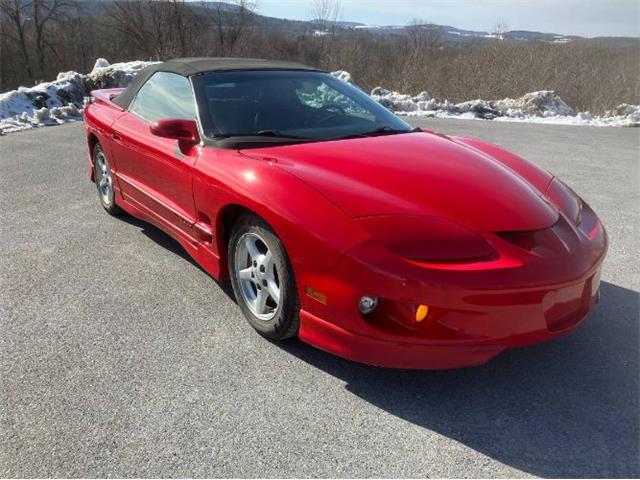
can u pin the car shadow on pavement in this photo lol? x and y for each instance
(566, 408)
(172, 245)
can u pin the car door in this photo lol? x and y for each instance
(153, 173)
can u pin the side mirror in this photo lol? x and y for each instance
(183, 130)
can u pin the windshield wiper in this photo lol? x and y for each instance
(386, 130)
(262, 133)
(270, 133)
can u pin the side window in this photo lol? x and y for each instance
(164, 95)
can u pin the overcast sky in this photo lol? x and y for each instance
(588, 18)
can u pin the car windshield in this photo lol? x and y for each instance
(296, 105)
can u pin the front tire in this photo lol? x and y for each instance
(104, 181)
(262, 279)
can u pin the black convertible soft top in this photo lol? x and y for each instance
(194, 66)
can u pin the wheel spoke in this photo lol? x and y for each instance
(102, 164)
(261, 301)
(104, 181)
(267, 261)
(250, 244)
(245, 274)
(274, 291)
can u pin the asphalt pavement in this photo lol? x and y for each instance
(120, 357)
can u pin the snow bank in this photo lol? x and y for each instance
(60, 101)
(117, 75)
(544, 106)
(342, 75)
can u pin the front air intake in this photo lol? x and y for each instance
(559, 237)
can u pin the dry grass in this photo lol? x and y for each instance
(588, 74)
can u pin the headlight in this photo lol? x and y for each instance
(427, 239)
(567, 201)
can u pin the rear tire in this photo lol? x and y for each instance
(104, 181)
(262, 279)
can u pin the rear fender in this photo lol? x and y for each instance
(98, 120)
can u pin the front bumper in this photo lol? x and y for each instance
(474, 313)
(416, 353)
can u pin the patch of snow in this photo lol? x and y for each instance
(394, 101)
(544, 106)
(342, 75)
(543, 103)
(117, 75)
(61, 101)
(100, 63)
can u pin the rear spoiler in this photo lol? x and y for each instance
(104, 96)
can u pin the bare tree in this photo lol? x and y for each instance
(422, 43)
(325, 14)
(500, 27)
(160, 29)
(423, 35)
(28, 23)
(14, 28)
(44, 13)
(129, 19)
(181, 23)
(231, 20)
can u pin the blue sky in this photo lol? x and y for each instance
(574, 17)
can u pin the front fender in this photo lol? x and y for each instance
(314, 231)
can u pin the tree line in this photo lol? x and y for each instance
(39, 38)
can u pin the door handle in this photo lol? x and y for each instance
(116, 136)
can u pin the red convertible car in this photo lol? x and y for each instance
(337, 222)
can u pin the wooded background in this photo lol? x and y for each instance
(39, 38)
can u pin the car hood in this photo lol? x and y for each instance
(419, 174)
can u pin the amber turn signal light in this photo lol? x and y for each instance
(421, 312)
(316, 295)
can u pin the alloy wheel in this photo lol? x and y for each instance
(257, 276)
(103, 178)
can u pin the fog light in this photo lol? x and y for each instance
(421, 312)
(367, 304)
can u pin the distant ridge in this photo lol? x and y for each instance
(446, 33)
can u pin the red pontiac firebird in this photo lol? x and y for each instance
(337, 222)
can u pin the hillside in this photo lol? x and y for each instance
(595, 75)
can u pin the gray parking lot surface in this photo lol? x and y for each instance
(120, 357)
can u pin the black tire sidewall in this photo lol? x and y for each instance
(285, 323)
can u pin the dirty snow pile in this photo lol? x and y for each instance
(544, 106)
(60, 101)
(343, 75)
